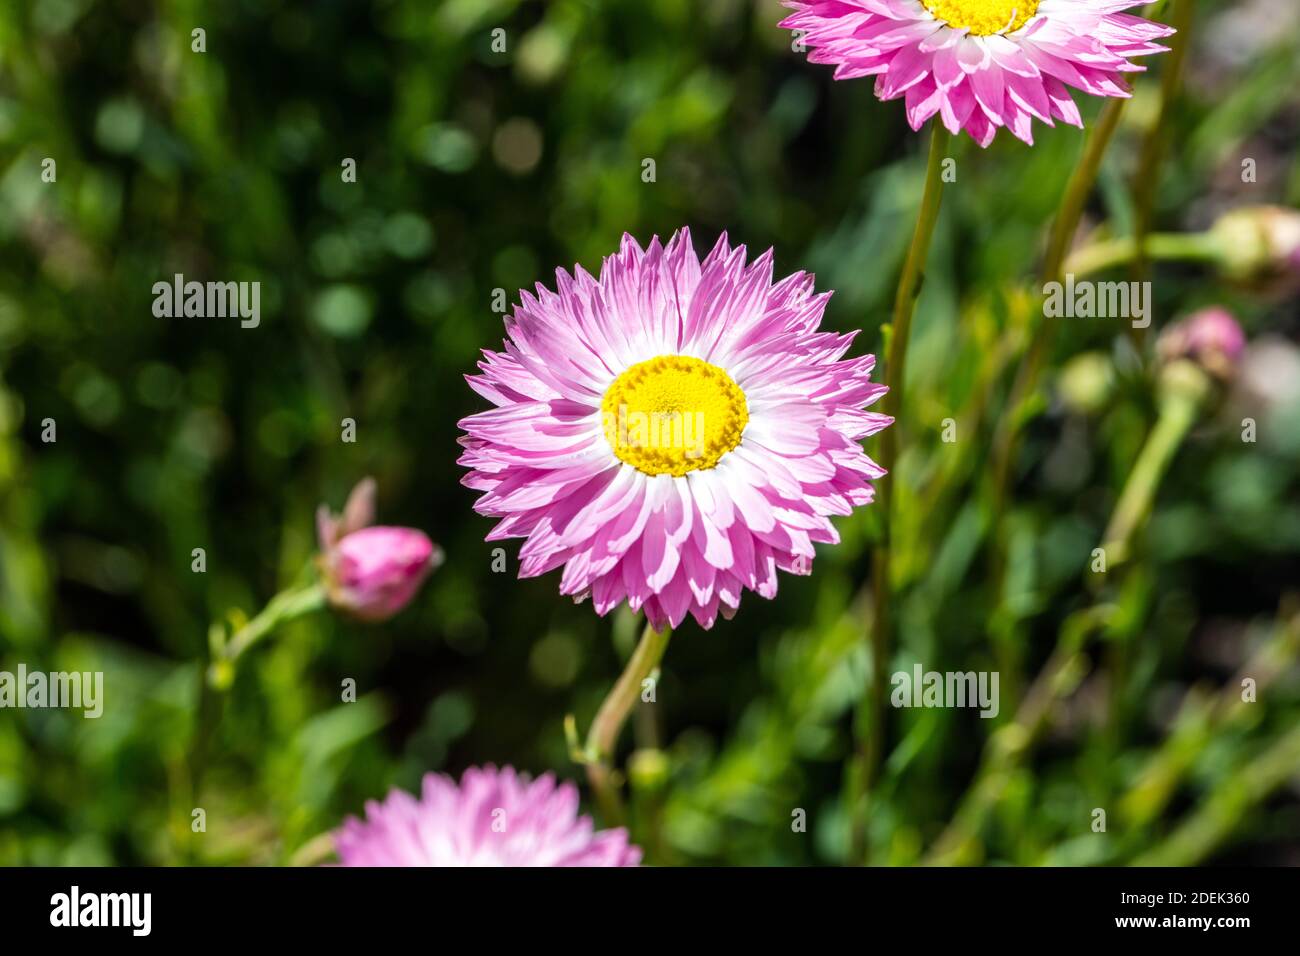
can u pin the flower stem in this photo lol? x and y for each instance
(1022, 400)
(1063, 230)
(1080, 188)
(1167, 247)
(285, 606)
(1156, 143)
(1010, 746)
(218, 676)
(1219, 814)
(613, 713)
(909, 287)
(1184, 389)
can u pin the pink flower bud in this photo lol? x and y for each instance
(373, 573)
(1211, 337)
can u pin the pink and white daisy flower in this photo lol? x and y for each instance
(981, 65)
(493, 818)
(673, 432)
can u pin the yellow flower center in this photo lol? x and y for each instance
(984, 17)
(673, 414)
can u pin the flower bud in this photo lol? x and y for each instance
(648, 769)
(1259, 242)
(1087, 382)
(358, 513)
(371, 572)
(1211, 337)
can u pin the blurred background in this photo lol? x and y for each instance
(479, 169)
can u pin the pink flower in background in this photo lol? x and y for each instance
(1211, 337)
(981, 65)
(493, 818)
(672, 433)
(371, 572)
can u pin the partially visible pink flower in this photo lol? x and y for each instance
(493, 818)
(980, 65)
(1211, 337)
(371, 572)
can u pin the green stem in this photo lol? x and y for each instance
(1022, 398)
(284, 607)
(219, 675)
(1063, 230)
(1155, 144)
(603, 736)
(1230, 802)
(1203, 719)
(1010, 746)
(1184, 389)
(1080, 188)
(1163, 246)
(909, 287)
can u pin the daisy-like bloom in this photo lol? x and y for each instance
(981, 64)
(493, 818)
(673, 432)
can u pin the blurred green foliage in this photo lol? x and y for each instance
(480, 170)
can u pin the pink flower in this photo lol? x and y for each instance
(981, 65)
(1211, 337)
(494, 818)
(371, 572)
(673, 433)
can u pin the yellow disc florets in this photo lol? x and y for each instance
(673, 414)
(984, 17)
